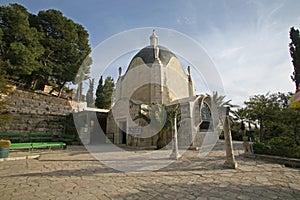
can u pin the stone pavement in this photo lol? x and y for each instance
(75, 174)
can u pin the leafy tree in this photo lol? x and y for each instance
(104, 92)
(260, 108)
(66, 46)
(295, 54)
(90, 94)
(279, 131)
(20, 48)
(47, 48)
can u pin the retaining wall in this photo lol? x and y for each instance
(34, 112)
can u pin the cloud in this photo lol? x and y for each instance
(184, 20)
(252, 55)
(229, 53)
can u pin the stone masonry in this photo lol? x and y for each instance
(34, 112)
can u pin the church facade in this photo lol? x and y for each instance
(156, 76)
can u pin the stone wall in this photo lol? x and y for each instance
(34, 112)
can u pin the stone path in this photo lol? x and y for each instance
(75, 174)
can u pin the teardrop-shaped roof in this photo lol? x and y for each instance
(147, 55)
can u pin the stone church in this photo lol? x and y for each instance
(156, 76)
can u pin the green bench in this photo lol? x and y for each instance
(32, 140)
(14, 137)
(21, 145)
(31, 145)
(67, 138)
(41, 137)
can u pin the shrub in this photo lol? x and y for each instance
(261, 148)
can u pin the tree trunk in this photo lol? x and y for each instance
(61, 88)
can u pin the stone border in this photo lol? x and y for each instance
(288, 162)
(20, 158)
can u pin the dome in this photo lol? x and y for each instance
(155, 53)
(154, 75)
(147, 56)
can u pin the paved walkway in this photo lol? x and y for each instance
(75, 174)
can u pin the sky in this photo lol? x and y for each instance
(246, 40)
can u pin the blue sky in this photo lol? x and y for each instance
(247, 40)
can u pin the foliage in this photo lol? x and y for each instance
(66, 45)
(5, 89)
(295, 54)
(261, 148)
(20, 47)
(90, 94)
(279, 129)
(162, 117)
(220, 103)
(264, 109)
(104, 93)
(47, 48)
(99, 94)
(219, 100)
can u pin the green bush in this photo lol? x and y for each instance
(278, 146)
(261, 148)
(284, 146)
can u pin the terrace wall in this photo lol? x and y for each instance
(35, 112)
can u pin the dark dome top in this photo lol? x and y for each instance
(147, 55)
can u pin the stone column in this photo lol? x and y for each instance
(230, 159)
(175, 154)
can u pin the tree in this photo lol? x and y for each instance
(100, 96)
(108, 90)
(166, 120)
(104, 93)
(222, 107)
(266, 109)
(219, 102)
(279, 131)
(20, 48)
(66, 46)
(47, 48)
(295, 54)
(90, 94)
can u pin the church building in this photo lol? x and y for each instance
(156, 76)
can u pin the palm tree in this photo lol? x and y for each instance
(224, 109)
(165, 118)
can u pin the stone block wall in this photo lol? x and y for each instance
(33, 112)
(35, 103)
